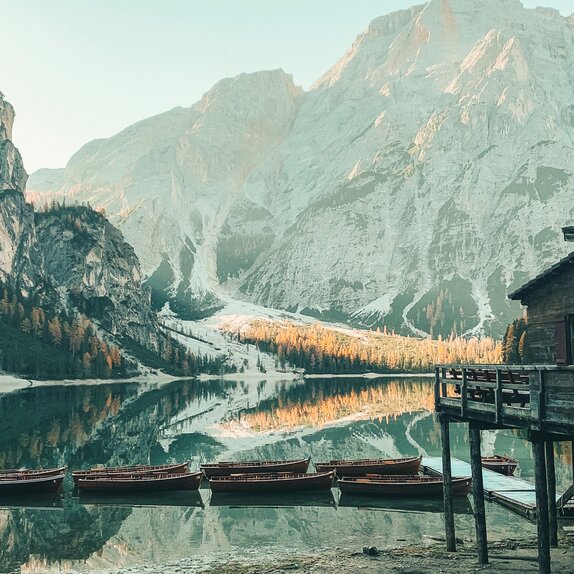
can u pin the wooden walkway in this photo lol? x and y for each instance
(511, 492)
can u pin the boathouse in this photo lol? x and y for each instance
(537, 398)
(549, 299)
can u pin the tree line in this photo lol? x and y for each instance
(319, 349)
(37, 343)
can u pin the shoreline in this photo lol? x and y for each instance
(9, 383)
(510, 556)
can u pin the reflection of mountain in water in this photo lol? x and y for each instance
(131, 423)
(320, 401)
(49, 535)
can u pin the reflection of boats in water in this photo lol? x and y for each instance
(254, 467)
(177, 498)
(323, 498)
(47, 501)
(361, 467)
(402, 486)
(461, 505)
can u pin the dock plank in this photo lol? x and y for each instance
(509, 491)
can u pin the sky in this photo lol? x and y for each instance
(76, 70)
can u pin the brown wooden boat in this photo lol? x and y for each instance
(141, 482)
(277, 483)
(408, 486)
(18, 472)
(503, 464)
(25, 484)
(361, 467)
(111, 471)
(254, 467)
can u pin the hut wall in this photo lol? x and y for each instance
(548, 304)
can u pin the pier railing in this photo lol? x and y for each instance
(530, 396)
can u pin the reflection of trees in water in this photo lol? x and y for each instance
(320, 401)
(49, 535)
(49, 426)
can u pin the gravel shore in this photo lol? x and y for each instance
(506, 557)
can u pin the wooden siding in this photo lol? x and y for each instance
(548, 304)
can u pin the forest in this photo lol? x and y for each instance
(319, 349)
(38, 343)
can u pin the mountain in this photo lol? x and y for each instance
(71, 289)
(422, 177)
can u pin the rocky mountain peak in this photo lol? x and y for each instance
(12, 173)
(423, 176)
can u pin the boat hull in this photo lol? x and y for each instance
(273, 483)
(502, 465)
(104, 472)
(35, 484)
(406, 466)
(255, 467)
(141, 482)
(406, 486)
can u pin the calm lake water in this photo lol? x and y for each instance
(83, 425)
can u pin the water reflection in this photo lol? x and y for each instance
(82, 425)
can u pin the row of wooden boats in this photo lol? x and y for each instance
(384, 477)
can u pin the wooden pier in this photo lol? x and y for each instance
(538, 399)
(516, 494)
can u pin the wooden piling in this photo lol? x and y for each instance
(447, 484)
(478, 493)
(551, 487)
(542, 523)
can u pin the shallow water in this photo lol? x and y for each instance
(200, 421)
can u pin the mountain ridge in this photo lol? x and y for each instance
(378, 196)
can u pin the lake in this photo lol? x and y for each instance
(137, 423)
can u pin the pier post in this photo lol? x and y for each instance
(447, 484)
(478, 493)
(551, 480)
(541, 506)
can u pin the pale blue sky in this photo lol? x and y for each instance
(80, 69)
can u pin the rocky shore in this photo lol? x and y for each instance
(506, 557)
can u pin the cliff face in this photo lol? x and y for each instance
(73, 256)
(85, 254)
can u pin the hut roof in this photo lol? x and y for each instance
(542, 278)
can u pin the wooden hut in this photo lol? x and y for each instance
(549, 299)
(537, 398)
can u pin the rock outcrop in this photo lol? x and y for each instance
(72, 256)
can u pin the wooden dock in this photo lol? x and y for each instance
(516, 494)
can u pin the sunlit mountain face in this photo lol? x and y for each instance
(415, 183)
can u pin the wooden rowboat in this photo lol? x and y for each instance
(272, 483)
(407, 486)
(254, 467)
(141, 482)
(502, 464)
(111, 471)
(18, 472)
(361, 467)
(26, 484)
